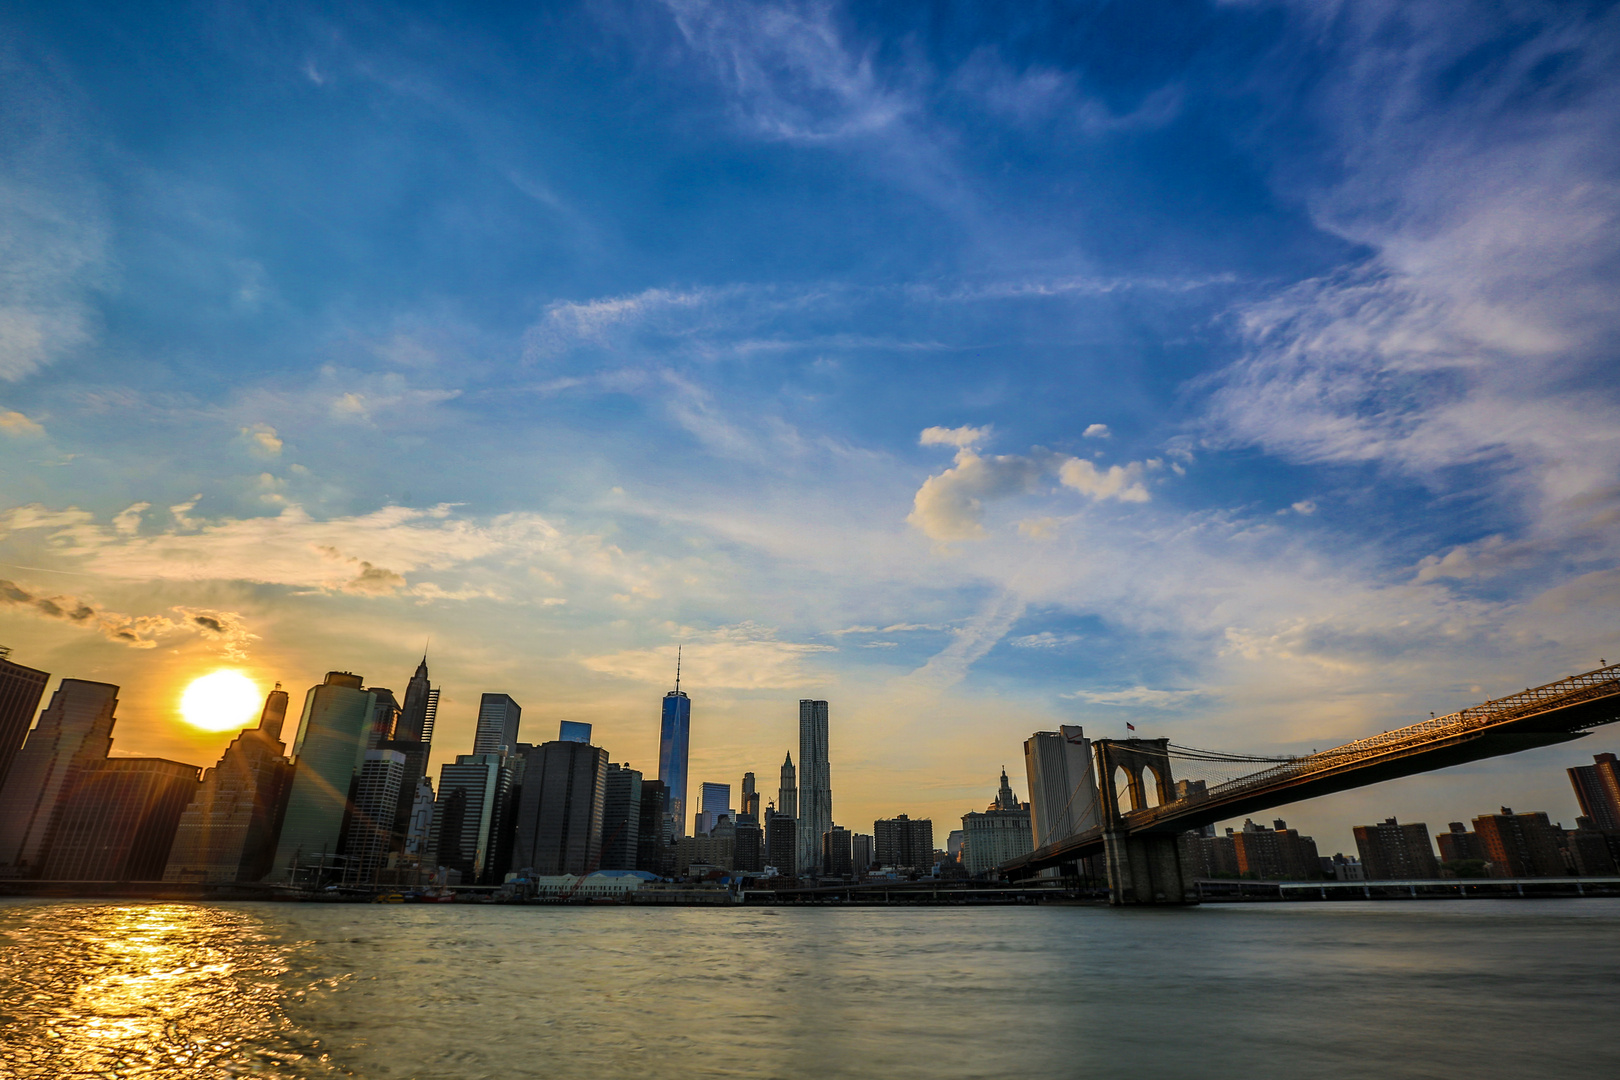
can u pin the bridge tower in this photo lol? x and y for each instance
(1145, 867)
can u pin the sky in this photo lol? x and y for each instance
(1242, 371)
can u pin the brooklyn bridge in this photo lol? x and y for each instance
(1142, 809)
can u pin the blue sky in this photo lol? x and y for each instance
(1245, 371)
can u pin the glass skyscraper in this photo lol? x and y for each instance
(815, 784)
(498, 717)
(674, 744)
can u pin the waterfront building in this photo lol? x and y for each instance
(20, 691)
(1597, 789)
(74, 733)
(117, 819)
(559, 818)
(815, 784)
(750, 796)
(621, 818)
(1062, 784)
(652, 853)
(497, 732)
(903, 843)
(573, 731)
(748, 851)
(467, 815)
(1521, 845)
(1344, 868)
(1395, 852)
(787, 796)
(228, 832)
(674, 747)
(1591, 851)
(953, 844)
(696, 855)
(1458, 844)
(1206, 855)
(837, 852)
(328, 751)
(368, 839)
(420, 827)
(1276, 854)
(1000, 833)
(782, 842)
(413, 737)
(863, 851)
(714, 803)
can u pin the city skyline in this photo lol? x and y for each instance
(1244, 374)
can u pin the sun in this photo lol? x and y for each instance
(220, 702)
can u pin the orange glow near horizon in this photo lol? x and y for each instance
(222, 701)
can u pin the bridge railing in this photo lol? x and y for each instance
(1601, 682)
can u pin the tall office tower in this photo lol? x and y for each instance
(863, 848)
(837, 852)
(1395, 852)
(748, 845)
(74, 732)
(421, 825)
(228, 833)
(782, 843)
(468, 816)
(815, 783)
(1520, 845)
(1062, 784)
(117, 820)
(370, 834)
(20, 691)
(328, 752)
(573, 731)
(650, 847)
(787, 796)
(385, 714)
(903, 843)
(714, 804)
(559, 820)
(1597, 789)
(621, 818)
(498, 717)
(750, 797)
(413, 737)
(674, 745)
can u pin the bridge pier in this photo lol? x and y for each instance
(1145, 869)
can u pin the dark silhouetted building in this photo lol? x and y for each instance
(1457, 844)
(1207, 855)
(228, 833)
(497, 731)
(1597, 789)
(748, 849)
(837, 852)
(1521, 845)
(863, 851)
(1394, 852)
(117, 820)
(413, 737)
(20, 691)
(369, 837)
(1276, 854)
(467, 815)
(328, 752)
(621, 817)
(559, 820)
(903, 843)
(787, 796)
(750, 797)
(782, 843)
(652, 853)
(1592, 851)
(74, 733)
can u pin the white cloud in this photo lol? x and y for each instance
(950, 506)
(1122, 482)
(1305, 506)
(263, 440)
(17, 425)
(1046, 639)
(1141, 697)
(1097, 431)
(963, 437)
(746, 656)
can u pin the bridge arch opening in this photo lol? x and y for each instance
(1125, 789)
(1151, 787)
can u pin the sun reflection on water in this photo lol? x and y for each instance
(160, 990)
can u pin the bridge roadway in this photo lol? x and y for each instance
(1539, 716)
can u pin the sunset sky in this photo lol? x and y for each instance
(1245, 371)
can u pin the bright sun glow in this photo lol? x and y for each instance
(221, 701)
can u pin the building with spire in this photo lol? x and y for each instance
(1000, 833)
(413, 737)
(674, 748)
(815, 785)
(228, 833)
(787, 796)
(74, 733)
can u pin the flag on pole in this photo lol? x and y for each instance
(1130, 727)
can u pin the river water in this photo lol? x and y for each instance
(1475, 988)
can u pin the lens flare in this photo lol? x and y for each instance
(220, 702)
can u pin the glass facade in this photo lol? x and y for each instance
(674, 744)
(573, 731)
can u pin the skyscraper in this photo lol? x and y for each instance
(573, 731)
(714, 804)
(837, 852)
(650, 846)
(228, 833)
(370, 833)
(1000, 833)
(674, 746)
(467, 815)
(750, 797)
(1597, 789)
(559, 821)
(1062, 784)
(621, 818)
(116, 821)
(787, 796)
(20, 691)
(498, 717)
(782, 843)
(903, 843)
(74, 732)
(1393, 852)
(815, 784)
(413, 737)
(328, 753)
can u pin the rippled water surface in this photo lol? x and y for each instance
(1441, 989)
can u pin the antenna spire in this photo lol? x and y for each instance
(677, 669)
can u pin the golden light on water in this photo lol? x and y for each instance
(222, 701)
